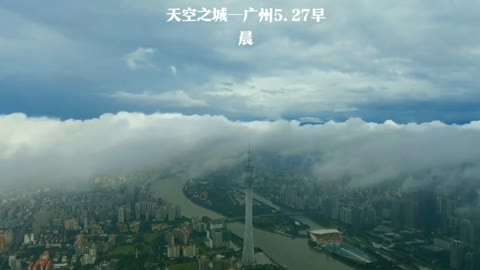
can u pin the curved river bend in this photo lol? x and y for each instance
(295, 254)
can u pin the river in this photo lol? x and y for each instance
(295, 254)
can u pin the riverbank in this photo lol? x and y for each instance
(343, 259)
(295, 254)
(269, 219)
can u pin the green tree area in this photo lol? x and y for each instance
(184, 266)
(283, 225)
(123, 250)
(130, 263)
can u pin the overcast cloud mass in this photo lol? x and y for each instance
(364, 153)
(190, 97)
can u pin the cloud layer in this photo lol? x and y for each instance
(140, 58)
(40, 150)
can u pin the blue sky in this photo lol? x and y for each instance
(410, 61)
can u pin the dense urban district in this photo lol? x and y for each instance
(116, 224)
(382, 226)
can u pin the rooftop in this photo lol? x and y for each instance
(324, 231)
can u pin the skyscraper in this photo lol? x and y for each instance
(457, 254)
(466, 232)
(248, 255)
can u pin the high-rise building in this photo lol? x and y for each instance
(220, 238)
(3, 244)
(475, 260)
(16, 264)
(217, 238)
(204, 263)
(9, 236)
(127, 212)
(121, 214)
(466, 232)
(331, 207)
(358, 217)
(345, 215)
(87, 259)
(178, 211)
(468, 261)
(174, 212)
(71, 224)
(410, 212)
(200, 227)
(427, 216)
(150, 210)
(161, 212)
(11, 260)
(169, 238)
(219, 262)
(397, 215)
(181, 235)
(457, 251)
(80, 239)
(189, 250)
(173, 251)
(42, 263)
(446, 208)
(291, 196)
(248, 253)
(370, 217)
(138, 211)
(85, 221)
(28, 238)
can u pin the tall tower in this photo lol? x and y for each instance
(85, 221)
(248, 255)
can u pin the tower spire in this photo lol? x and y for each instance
(249, 161)
(248, 253)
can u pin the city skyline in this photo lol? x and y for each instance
(123, 128)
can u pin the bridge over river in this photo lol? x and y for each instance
(235, 219)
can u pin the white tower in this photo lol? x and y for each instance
(248, 255)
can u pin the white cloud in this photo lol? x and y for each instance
(173, 69)
(43, 149)
(167, 99)
(305, 91)
(140, 58)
